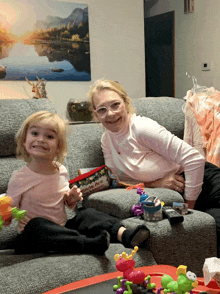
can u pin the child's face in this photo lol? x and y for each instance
(42, 140)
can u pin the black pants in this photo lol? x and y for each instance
(43, 235)
(209, 199)
(210, 195)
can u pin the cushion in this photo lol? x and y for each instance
(118, 202)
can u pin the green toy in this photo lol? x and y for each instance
(186, 281)
(7, 212)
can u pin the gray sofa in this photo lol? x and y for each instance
(188, 243)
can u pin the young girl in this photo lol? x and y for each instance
(42, 189)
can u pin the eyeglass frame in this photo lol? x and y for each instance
(109, 108)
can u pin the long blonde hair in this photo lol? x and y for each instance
(21, 134)
(104, 84)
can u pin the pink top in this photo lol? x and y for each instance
(40, 195)
(145, 151)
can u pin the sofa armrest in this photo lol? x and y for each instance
(188, 243)
(118, 202)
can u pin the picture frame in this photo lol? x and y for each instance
(46, 39)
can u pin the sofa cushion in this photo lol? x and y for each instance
(118, 202)
(38, 273)
(12, 113)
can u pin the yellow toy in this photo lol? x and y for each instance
(7, 212)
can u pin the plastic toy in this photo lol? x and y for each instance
(6, 211)
(150, 207)
(140, 186)
(186, 281)
(137, 210)
(125, 264)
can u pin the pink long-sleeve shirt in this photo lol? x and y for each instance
(145, 151)
(40, 195)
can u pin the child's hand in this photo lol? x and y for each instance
(73, 196)
(75, 193)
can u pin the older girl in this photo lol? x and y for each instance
(138, 149)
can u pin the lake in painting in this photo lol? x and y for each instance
(53, 45)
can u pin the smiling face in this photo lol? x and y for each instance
(111, 110)
(42, 141)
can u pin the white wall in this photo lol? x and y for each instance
(197, 40)
(116, 47)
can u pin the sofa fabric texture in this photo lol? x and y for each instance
(188, 243)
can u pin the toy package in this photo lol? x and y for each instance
(95, 180)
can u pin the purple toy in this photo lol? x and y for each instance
(122, 289)
(140, 191)
(137, 209)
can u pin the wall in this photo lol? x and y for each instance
(116, 47)
(197, 40)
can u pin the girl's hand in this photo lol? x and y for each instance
(75, 193)
(173, 182)
(73, 196)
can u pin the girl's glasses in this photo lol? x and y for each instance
(114, 107)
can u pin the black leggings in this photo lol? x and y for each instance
(43, 235)
(209, 199)
(210, 195)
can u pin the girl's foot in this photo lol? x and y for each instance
(136, 237)
(97, 245)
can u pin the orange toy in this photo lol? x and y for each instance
(6, 211)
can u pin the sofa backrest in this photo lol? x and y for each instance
(167, 111)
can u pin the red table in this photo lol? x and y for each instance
(155, 271)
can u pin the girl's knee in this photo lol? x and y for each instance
(88, 211)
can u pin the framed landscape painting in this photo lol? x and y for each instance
(44, 38)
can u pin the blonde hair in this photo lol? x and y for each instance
(104, 84)
(21, 134)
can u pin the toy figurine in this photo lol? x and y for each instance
(186, 281)
(6, 211)
(125, 264)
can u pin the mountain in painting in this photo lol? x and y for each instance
(76, 17)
